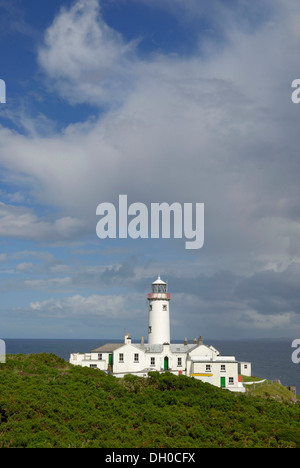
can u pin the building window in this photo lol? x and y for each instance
(136, 357)
(165, 307)
(179, 362)
(93, 366)
(99, 357)
(121, 357)
(152, 361)
(223, 368)
(230, 381)
(207, 368)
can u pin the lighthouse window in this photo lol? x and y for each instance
(136, 357)
(164, 307)
(150, 307)
(149, 329)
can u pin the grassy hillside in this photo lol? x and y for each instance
(269, 389)
(45, 402)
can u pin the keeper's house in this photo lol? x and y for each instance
(195, 360)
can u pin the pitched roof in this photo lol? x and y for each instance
(153, 348)
(158, 348)
(108, 348)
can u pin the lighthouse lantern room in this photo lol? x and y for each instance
(159, 313)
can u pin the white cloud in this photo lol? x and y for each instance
(85, 59)
(26, 266)
(209, 130)
(216, 127)
(252, 319)
(3, 257)
(21, 223)
(48, 283)
(60, 269)
(46, 257)
(80, 306)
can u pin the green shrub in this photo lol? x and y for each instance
(46, 402)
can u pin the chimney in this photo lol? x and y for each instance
(142, 342)
(185, 341)
(127, 339)
(200, 340)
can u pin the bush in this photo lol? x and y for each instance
(46, 402)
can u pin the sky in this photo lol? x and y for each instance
(183, 101)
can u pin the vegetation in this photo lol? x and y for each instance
(46, 402)
(269, 389)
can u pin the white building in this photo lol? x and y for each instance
(196, 359)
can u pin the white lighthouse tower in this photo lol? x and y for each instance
(159, 313)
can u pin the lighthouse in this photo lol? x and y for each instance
(159, 313)
(158, 355)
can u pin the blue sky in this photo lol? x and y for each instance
(166, 101)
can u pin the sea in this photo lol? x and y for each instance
(270, 358)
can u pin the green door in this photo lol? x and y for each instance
(166, 363)
(222, 382)
(110, 359)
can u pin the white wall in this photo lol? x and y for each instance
(128, 364)
(158, 322)
(245, 369)
(89, 360)
(213, 374)
(194, 365)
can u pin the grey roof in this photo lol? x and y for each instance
(182, 348)
(158, 348)
(108, 347)
(229, 361)
(148, 348)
